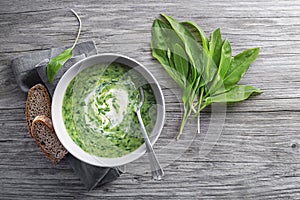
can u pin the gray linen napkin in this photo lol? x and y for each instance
(30, 69)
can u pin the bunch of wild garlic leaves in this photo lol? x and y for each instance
(204, 69)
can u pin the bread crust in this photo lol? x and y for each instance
(48, 123)
(44, 119)
(30, 98)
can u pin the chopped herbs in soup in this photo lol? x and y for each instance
(99, 109)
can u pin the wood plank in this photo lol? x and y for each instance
(257, 154)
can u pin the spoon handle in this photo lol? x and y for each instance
(156, 170)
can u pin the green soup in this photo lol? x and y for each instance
(99, 110)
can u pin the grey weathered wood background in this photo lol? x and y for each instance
(257, 155)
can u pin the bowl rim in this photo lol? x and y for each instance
(59, 126)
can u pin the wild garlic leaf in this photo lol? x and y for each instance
(180, 78)
(158, 43)
(210, 68)
(236, 94)
(180, 60)
(201, 36)
(225, 60)
(56, 63)
(220, 90)
(215, 46)
(162, 57)
(239, 66)
(159, 35)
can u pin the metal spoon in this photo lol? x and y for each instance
(156, 170)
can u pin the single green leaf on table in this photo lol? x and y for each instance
(236, 94)
(182, 32)
(56, 63)
(180, 78)
(215, 46)
(201, 36)
(239, 66)
(169, 67)
(162, 57)
(212, 59)
(225, 62)
(159, 35)
(158, 44)
(180, 60)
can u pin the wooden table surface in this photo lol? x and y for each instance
(257, 154)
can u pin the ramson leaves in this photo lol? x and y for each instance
(57, 62)
(203, 68)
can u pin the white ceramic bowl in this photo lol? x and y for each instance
(57, 116)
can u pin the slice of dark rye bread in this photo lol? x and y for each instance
(43, 132)
(38, 103)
